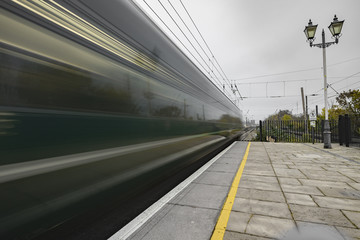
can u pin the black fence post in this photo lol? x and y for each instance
(304, 131)
(281, 131)
(297, 130)
(347, 130)
(266, 130)
(322, 131)
(312, 135)
(333, 131)
(341, 129)
(260, 131)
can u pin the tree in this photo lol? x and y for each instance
(286, 117)
(280, 115)
(333, 113)
(350, 101)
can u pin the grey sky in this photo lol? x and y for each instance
(265, 37)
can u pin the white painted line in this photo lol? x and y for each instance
(137, 222)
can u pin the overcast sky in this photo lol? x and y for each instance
(255, 38)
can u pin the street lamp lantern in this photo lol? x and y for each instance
(335, 28)
(310, 31)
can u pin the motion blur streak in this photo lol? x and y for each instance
(16, 171)
(97, 105)
(77, 25)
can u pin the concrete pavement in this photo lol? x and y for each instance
(286, 191)
(297, 186)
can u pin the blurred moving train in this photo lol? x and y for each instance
(94, 98)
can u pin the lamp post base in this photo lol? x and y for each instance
(327, 134)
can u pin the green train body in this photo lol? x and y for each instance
(94, 106)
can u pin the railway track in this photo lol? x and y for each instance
(248, 135)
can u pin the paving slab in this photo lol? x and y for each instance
(229, 235)
(260, 185)
(340, 192)
(272, 227)
(354, 217)
(256, 178)
(278, 165)
(338, 203)
(265, 195)
(305, 166)
(326, 176)
(349, 233)
(313, 182)
(261, 173)
(289, 181)
(300, 199)
(267, 208)
(350, 153)
(306, 230)
(353, 176)
(293, 173)
(319, 215)
(238, 221)
(355, 185)
(313, 190)
(259, 167)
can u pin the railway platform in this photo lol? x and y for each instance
(261, 191)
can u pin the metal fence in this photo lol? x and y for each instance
(296, 131)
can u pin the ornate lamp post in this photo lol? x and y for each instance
(335, 29)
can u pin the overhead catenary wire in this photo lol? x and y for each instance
(203, 39)
(212, 54)
(213, 75)
(295, 71)
(335, 95)
(222, 73)
(345, 61)
(203, 50)
(315, 94)
(345, 78)
(274, 96)
(276, 74)
(186, 37)
(318, 98)
(288, 81)
(281, 81)
(168, 28)
(175, 35)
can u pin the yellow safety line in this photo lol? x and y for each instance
(223, 219)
